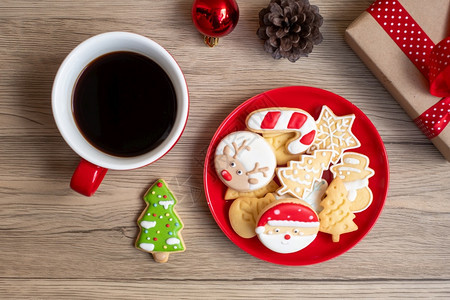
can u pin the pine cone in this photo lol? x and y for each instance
(290, 28)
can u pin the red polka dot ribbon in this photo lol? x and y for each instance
(439, 72)
(432, 60)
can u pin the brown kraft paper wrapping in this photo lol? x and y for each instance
(393, 68)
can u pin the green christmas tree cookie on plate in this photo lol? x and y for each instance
(159, 224)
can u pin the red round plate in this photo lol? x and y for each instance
(311, 100)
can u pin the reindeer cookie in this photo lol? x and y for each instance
(244, 161)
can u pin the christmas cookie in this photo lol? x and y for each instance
(231, 194)
(336, 217)
(355, 173)
(334, 133)
(287, 226)
(278, 143)
(244, 212)
(281, 120)
(159, 225)
(316, 195)
(244, 161)
(298, 177)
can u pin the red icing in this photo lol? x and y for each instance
(226, 175)
(167, 225)
(308, 138)
(155, 239)
(288, 211)
(165, 196)
(154, 215)
(159, 184)
(287, 237)
(270, 120)
(297, 120)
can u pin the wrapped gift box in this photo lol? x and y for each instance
(390, 64)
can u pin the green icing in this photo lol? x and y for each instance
(159, 224)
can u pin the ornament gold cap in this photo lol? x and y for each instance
(211, 41)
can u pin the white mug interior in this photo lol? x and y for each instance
(66, 79)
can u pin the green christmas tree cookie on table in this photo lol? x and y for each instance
(159, 224)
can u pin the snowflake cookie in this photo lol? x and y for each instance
(334, 133)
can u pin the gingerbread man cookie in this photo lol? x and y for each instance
(244, 161)
(355, 173)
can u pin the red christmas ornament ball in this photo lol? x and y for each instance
(215, 18)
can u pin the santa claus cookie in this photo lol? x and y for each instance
(287, 226)
(281, 120)
(244, 161)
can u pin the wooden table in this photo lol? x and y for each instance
(55, 243)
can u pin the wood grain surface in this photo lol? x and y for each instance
(56, 244)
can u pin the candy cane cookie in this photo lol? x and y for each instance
(283, 119)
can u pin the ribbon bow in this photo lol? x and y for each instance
(432, 60)
(439, 69)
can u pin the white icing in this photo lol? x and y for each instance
(351, 161)
(335, 133)
(277, 242)
(356, 184)
(172, 241)
(260, 152)
(260, 229)
(147, 246)
(315, 197)
(307, 183)
(290, 223)
(296, 179)
(350, 169)
(351, 195)
(166, 203)
(148, 224)
(294, 147)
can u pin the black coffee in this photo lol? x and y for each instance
(124, 104)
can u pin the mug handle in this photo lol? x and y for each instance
(87, 178)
